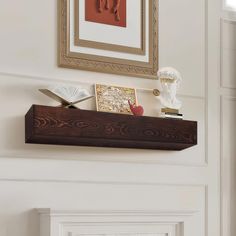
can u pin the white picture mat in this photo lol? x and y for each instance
(106, 53)
(129, 36)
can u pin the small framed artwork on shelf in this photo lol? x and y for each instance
(114, 99)
(109, 36)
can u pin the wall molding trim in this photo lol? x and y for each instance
(74, 223)
(224, 88)
(56, 212)
(159, 162)
(98, 172)
(108, 183)
(53, 79)
(225, 219)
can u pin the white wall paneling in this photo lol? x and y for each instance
(228, 54)
(228, 116)
(168, 201)
(193, 90)
(192, 44)
(228, 170)
(180, 189)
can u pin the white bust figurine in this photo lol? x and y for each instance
(170, 80)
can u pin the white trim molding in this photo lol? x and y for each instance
(114, 223)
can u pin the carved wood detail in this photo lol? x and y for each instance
(53, 125)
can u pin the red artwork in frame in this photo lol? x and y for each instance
(110, 12)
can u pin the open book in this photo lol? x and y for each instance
(68, 96)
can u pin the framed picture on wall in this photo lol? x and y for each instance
(110, 36)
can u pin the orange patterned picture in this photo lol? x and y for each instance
(110, 12)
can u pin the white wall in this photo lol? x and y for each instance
(93, 179)
(228, 117)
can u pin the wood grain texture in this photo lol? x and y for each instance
(53, 125)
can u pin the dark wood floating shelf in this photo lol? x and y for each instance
(61, 126)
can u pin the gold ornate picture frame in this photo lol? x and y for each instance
(131, 51)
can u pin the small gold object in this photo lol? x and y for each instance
(156, 92)
(167, 80)
(170, 110)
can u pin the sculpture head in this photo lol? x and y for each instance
(170, 80)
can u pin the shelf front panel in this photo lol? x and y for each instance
(53, 125)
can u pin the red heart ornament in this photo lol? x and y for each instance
(136, 110)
